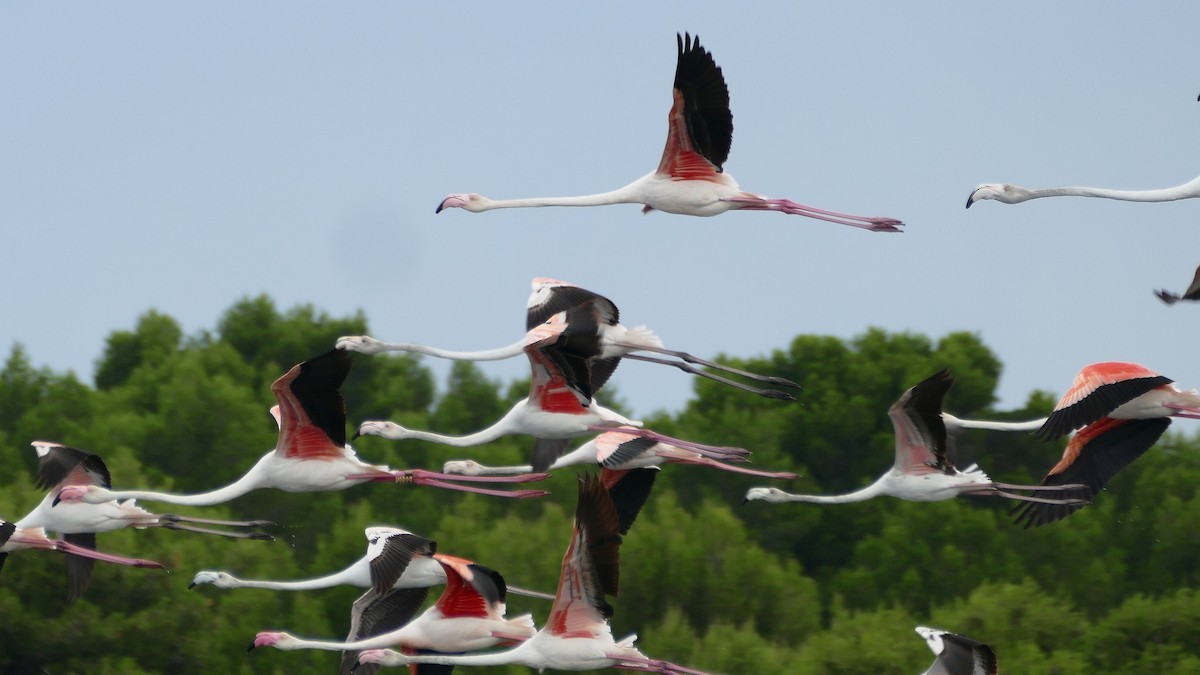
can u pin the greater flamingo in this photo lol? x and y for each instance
(689, 179)
(61, 466)
(616, 450)
(1093, 456)
(395, 558)
(922, 472)
(468, 616)
(559, 405)
(1119, 390)
(599, 334)
(957, 654)
(311, 454)
(1007, 193)
(1192, 292)
(79, 559)
(577, 635)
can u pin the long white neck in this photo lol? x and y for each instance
(624, 195)
(351, 576)
(873, 490)
(241, 486)
(1030, 425)
(501, 428)
(506, 352)
(1189, 189)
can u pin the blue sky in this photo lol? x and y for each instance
(182, 156)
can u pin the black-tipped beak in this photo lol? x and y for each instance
(250, 648)
(745, 500)
(441, 205)
(57, 499)
(355, 436)
(970, 200)
(191, 585)
(354, 666)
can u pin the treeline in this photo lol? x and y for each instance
(706, 581)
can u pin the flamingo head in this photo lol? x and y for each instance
(90, 494)
(1005, 193)
(214, 577)
(381, 428)
(463, 467)
(273, 639)
(469, 201)
(766, 494)
(933, 638)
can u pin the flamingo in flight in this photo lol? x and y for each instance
(60, 466)
(311, 454)
(395, 558)
(468, 616)
(1007, 193)
(1192, 292)
(1120, 390)
(13, 538)
(616, 450)
(600, 334)
(957, 654)
(923, 471)
(689, 179)
(577, 635)
(559, 405)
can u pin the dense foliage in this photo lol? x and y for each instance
(755, 588)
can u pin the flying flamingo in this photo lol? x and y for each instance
(559, 405)
(311, 454)
(600, 335)
(689, 179)
(957, 654)
(60, 467)
(468, 616)
(1007, 193)
(923, 472)
(1119, 390)
(13, 538)
(577, 635)
(616, 450)
(1192, 292)
(395, 558)
(1093, 456)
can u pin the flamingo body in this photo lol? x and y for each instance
(1120, 390)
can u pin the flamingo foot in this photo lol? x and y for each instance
(706, 461)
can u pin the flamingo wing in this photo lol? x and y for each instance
(629, 491)
(471, 589)
(591, 565)
(79, 568)
(1098, 389)
(965, 655)
(700, 125)
(391, 554)
(561, 376)
(62, 465)
(920, 430)
(375, 613)
(312, 412)
(1093, 456)
(551, 296)
(615, 448)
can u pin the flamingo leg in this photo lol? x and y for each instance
(717, 452)
(769, 393)
(260, 536)
(696, 360)
(706, 461)
(170, 517)
(1042, 500)
(654, 666)
(1041, 488)
(72, 549)
(1184, 411)
(790, 207)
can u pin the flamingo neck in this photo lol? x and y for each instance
(624, 195)
(871, 491)
(496, 354)
(241, 486)
(1185, 191)
(351, 576)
